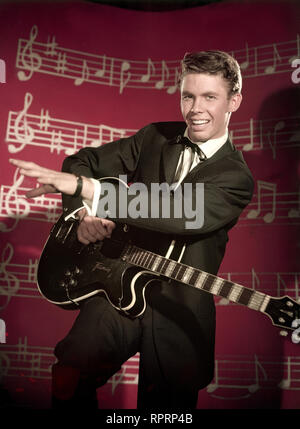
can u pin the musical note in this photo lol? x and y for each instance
(249, 146)
(84, 75)
(173, 88)
(245, 64)
(24, 133)
(123, 81)
(164, 76)
(295, 213)
(255, 279)
(276, 57)
(150, 69)
(35, 60)
(254, 213)
(278, 126)
(113, 134)
(215, 384)
(285, 383)
(101, 71)
(257, 366)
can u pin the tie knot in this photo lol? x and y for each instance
(195, 148)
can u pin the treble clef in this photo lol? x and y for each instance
(30, 60)
(23, 132)
(12, 282)
(15, 201)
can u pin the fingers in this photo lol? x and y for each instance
(41, 190)
(29, 168)
(92, 229)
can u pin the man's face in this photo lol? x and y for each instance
(206, 106)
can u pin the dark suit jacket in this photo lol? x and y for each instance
(184, 318)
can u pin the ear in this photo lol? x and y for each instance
(235, 102)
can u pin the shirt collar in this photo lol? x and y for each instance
(210, 147)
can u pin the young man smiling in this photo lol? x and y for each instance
(175, 334)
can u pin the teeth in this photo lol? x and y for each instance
(200, 122)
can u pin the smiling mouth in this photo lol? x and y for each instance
(200, 122)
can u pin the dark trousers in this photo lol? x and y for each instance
(99, 342)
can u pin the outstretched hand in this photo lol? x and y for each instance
(52, 181)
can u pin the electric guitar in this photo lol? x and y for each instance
(70, 272)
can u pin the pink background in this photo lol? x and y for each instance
(255, 367)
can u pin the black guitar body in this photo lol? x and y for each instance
(70, 272)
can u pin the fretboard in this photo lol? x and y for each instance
(196, 278)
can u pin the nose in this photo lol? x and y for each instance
(197, 106)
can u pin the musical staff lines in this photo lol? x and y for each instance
(60, 135)
(16, 279)
(23, 360)
(239, 377)
(236, 377)
(52, 59)
(57, 135)
(268, 206)
(14, 205)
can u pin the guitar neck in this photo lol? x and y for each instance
(196, 278)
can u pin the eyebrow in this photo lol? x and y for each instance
(205, 94)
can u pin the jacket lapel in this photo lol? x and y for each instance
(225, 150)
(170, 156)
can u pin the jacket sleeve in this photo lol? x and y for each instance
(112, 159)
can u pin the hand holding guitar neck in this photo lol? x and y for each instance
(53, 181)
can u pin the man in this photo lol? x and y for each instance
(175, 334)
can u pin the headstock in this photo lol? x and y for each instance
(285, 313)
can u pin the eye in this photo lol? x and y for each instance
(210, 97)
(187, 97)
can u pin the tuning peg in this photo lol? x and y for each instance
(283, 333)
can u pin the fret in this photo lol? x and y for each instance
(181, 272)
(187, 275)
(216, 286)
(194, 278)
(175, 271)
(152, 260)
(208, 282)
(135, 255)
(147, 260)
(157, 261)
(226, 289)
(235, 293)
(139, 258)
(245, 296)
(256, 300)
(161, 264)
(170, 268)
